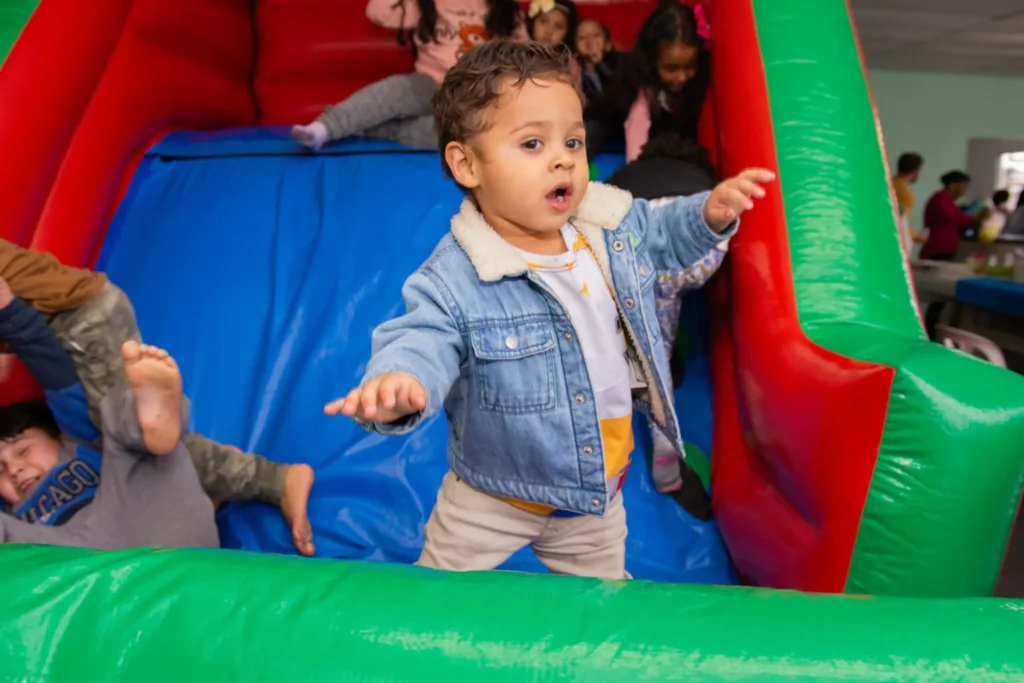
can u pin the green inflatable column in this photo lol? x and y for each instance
(14, 14)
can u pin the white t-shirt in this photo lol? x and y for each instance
(579, 285)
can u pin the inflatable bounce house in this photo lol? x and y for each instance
(148, 138)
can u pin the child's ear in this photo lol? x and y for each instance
(462, 164)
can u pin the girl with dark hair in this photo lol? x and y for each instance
(661, 85)
(553, 22)
(398, 107)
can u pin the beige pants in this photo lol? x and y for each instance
(473, 531)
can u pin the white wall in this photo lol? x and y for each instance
(938, 114)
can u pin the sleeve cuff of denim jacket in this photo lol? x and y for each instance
(714, 238)
(402, 425)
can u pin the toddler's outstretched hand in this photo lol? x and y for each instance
(733, 196)
(383, 399)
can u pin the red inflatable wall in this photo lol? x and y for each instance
(45, 85)
(789, 474)
(95, 83)
(181, 64)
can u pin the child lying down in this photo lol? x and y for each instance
(129, 484)
(92, 318)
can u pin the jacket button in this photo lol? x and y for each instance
(629, 304)
(588, 450)
(580, 398)
(568, 336)
(617, 245)
(511, 341)
(596, 502)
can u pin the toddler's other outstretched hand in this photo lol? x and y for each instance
(733, 196)
(383, 399)
(312, 135)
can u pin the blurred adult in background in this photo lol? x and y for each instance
(944, 219)
(908, 169)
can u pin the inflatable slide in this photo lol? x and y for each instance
(848, 455)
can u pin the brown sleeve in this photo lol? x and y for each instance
(44, 282)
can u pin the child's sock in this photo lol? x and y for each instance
(312, 135)
(665, 468)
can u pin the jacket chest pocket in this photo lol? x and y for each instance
(515, 367)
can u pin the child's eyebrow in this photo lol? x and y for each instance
(542, 124)
(13, 441)
(531, 124)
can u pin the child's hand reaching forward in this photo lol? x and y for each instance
(383, 399)
(733, 196)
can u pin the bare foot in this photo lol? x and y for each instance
(298, 480)
(156, 381)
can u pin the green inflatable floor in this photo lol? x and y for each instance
(87, 617)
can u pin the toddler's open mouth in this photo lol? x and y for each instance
(559, 197)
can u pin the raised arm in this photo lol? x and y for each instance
(681, 233)
(675, 233)
(396, 14)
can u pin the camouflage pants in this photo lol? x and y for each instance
(94, 334)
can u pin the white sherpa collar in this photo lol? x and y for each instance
(603, 208)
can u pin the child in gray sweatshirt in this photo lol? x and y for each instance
(129, 484)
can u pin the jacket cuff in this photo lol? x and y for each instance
(402, 425)
(713, 239)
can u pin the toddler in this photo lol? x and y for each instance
(532, 324)
(398, 107)
(552, 22)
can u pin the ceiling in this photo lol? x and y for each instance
(966, 36)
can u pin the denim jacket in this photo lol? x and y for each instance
(489, 341)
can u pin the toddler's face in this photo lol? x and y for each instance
(677, 64)
(24, 461)
(528, 169)
(551, 27)
(591, 41)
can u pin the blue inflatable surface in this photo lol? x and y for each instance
(263, 269)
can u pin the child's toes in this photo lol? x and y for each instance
(131, 351)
